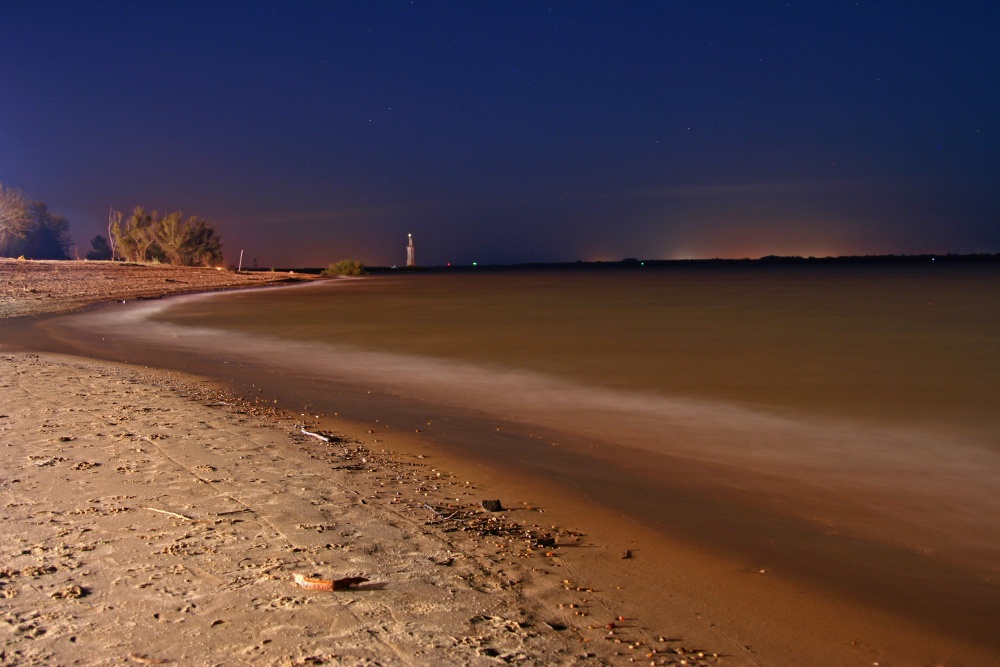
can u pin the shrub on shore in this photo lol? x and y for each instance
(168, 239)
(345, 267)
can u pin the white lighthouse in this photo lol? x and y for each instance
(410, 260)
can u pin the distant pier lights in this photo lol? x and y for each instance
(410, 259)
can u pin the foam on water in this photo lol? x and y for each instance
(941, 486)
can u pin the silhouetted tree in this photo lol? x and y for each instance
(46, 235)
(99, 248)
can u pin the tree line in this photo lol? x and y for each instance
(28, 229)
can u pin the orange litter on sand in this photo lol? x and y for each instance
(328, 584)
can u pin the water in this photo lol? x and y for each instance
(890, 344)
(841, 421)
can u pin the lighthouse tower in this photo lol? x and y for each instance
(410, 260)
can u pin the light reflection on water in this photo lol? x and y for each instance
(853, 384)
(887, 345)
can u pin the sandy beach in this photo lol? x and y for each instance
(38, 287)
(151, 517)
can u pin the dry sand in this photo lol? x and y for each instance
(37, 287)
(149, 518)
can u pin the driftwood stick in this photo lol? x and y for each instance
(315, 435)
(245, 509)
(175, 514)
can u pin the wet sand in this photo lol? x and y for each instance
(736, 604)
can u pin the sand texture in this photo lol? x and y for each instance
(141, 524)
(151, 519)
(36, 287)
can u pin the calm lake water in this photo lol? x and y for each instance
(781, 411)
(890, 344)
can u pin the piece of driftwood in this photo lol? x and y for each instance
(146, 660)
(318, 436)
(174, 514)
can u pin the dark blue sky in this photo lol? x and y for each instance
(514, 131)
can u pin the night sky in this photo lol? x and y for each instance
(504, 132)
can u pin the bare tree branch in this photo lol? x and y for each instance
(114, 222)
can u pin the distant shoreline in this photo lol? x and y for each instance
(975, 259)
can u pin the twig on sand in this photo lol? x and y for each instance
(315, 435)
(175, 514)
(443, 517)
(146, 660)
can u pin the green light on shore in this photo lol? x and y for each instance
(475, 263)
